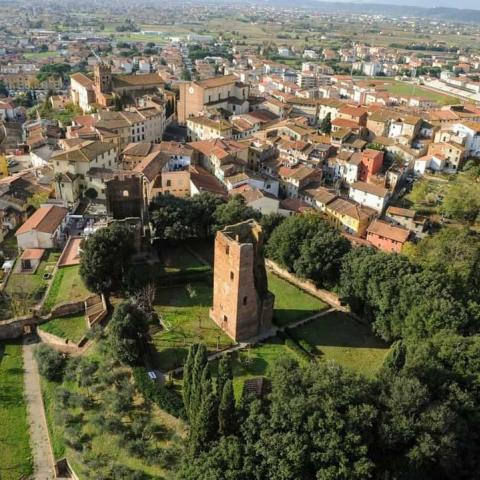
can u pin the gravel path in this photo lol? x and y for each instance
(42, 452)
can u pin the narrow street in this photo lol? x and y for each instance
(41, 449)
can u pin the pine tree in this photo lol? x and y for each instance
(227, 417)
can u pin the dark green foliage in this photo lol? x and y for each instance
(53, 70)
(227, 418)
(326, 125)
(308, 246)
(401, 300)
(318, 423)
(104, 258)
(269, 223)
(234, 211)
(224, 372)
(51, 364)
(128, 333)
(176, 218)
(164, 396)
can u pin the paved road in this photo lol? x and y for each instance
(41, 450)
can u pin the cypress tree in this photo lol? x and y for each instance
(224, 373)
(195, 394)
(205, 426)
(326, 125)
(227, 417)
(187, 376)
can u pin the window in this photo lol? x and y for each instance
(244, 300)
(225, 318)
(169, 183)
(125, 193)
(231, 275)
(227, 249)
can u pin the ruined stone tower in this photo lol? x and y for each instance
(242, 304)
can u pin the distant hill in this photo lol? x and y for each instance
(435, 13)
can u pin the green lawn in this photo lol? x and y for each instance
(70, 328)
(67, 286)
(40, 55)
(26, 290)
(187, 321)
(339, 337)
(15, 454)
(255, 361)
(291, 303)
(402, 88)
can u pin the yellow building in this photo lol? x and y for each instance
(3, 166)
(350, 217)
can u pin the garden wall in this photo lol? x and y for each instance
(58, 343)
(306, 285)
(14, 327)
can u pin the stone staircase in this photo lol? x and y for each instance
(95, 309)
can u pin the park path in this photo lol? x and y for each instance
(39, 439)
(260, 338)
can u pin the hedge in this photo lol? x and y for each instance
(165, 397)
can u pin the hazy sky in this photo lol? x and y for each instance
(471, 4)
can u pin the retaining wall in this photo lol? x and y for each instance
(306, 285)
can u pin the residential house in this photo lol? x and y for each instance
(369, 195)
(204, 128)
(43, 229)
(452, 152)
(349, 216)
(84, 166)
(387, 237)
(294, 179)
(408, 219)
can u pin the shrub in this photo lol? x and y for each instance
(166, 398)
(51, 364)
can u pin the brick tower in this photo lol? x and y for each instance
(242, 304)
(103, 77)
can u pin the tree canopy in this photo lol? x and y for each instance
(104, 258)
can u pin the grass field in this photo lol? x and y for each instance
(40, 55)
(70, 328)
(255, 361)
(336, 336)
(291, 303)
(402, 88)
(67, 286)
(26, 290)
(15, 454)
(186, 317)
(339, 337)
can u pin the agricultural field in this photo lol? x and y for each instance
(15, 454)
